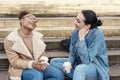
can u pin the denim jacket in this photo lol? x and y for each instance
(91, 50)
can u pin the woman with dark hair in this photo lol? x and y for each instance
(24, 48)
(87, 53)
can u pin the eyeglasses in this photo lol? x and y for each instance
(31, 17)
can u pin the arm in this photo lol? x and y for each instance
(88, 53)
(14, 58)
(71, 49)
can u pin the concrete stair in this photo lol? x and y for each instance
(113, 58)
(111, 43)
(60, 26)
(60, 7)
(56, 21)
(54, 51)
(114, 74)
(7, 22)
(63, 31)
(56, 29)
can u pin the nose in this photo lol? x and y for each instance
(75, 22)
(35, 20)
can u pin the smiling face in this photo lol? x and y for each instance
(28, 21)
(79, 22)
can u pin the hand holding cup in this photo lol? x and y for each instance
(43, 59)
(67, 67)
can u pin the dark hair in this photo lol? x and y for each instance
(22, 13)
(91, 18)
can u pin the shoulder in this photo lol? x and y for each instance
(97, 32)
(12, 36)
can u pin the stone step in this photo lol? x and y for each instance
(113, 55)
(61, 7)
(63, 31)
(57, 21)
(114, 69)
(114, 73)
(54, 43)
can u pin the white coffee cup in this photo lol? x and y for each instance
(44, 59)
(67, 66)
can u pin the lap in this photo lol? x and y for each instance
(31, 71)
(62, 60)
(31, 74)
(89, 70)
(52, 73)
(86, 68)
(58, 62)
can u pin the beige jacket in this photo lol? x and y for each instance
(18, 54)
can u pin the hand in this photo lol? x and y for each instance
(83, 33)
(40, 66)
(64, 70)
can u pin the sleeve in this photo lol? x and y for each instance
(71, 57)
(14, 58)
(88, 53)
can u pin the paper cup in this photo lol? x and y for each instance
(67, 66)
(44, 59)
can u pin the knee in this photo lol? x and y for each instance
(32, 74)
(58, 60)
(54, 60)
(53, 73)
(81, 68)
(37, 74)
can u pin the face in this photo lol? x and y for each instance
(29, 21)
(79, 22)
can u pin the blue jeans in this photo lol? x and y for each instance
(50, 73)
(78, 72)
(32, 74)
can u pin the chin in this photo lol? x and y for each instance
(77, 28)
(31, 28)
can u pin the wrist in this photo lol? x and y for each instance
(82, 39)
(33, 64)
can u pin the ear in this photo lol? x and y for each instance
(88, 26)
(21, 21)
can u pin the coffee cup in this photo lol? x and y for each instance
(44, 59)
(67, 66)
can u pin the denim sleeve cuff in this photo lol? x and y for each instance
(30, 64)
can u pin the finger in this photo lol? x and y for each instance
(44, 63)
(41, 60)
(41, 63)
(38, 62)
(64, 71)
(87, 31)
(43, 68)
